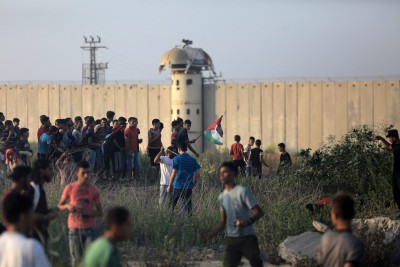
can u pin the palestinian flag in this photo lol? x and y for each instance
(214, 132)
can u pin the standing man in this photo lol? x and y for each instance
(285, 160)
(183, 137)
(154, 146)
(257, 159)
(394, 146)
(247, 152)
(44, 127)
(239, 210)
(90, 140)
(77, 132)
(42, 173)
(46, 143)
(84, 206)
(185, 172)
(132, 142)
(119, 149)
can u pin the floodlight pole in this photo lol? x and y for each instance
(92, 46)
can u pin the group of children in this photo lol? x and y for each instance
(250, 160)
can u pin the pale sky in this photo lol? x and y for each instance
(250, 39)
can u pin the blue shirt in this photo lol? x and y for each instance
(185, 167)
(45, 140)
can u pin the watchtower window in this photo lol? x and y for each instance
(178, 111)
(189, 81)
(177, 88)
(172, 111)
(197, 111)
(177, 82)
(188, 112)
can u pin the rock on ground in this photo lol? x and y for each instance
(300, 248)
(383, 225)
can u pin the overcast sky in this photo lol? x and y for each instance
(248, 39)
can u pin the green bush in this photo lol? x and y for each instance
(356, 164)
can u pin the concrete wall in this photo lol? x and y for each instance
(301, 114)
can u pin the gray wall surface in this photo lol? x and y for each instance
(301, 114)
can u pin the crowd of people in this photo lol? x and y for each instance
(80, 151)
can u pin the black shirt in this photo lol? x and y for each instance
(90, 134)
(182, 136)
(396, 158)
(41, 208)
(285, 159)
(255, 157)
(120, 138)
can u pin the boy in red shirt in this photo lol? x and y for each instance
(237, 151)
(84, 206)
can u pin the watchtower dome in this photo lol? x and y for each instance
(187, 65)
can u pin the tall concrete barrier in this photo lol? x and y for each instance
(300, 114)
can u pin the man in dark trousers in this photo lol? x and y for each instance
(394, 146)
(42, 173)
(239, 210)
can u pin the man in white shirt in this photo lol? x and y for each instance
(166, 164)
(17, 250)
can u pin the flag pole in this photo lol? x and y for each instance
(194, 140)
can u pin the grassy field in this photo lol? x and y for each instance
(174, 238)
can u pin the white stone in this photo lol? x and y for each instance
(320, 227)
(300, 248)
(390, 228)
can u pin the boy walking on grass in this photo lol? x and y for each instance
(166, 163)
(84, 206)
(257, 158)
(103, 252)
(239, 210)
(285, 161)
(247, 152)
(339, 247)
(237, 152)
(185, 171)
